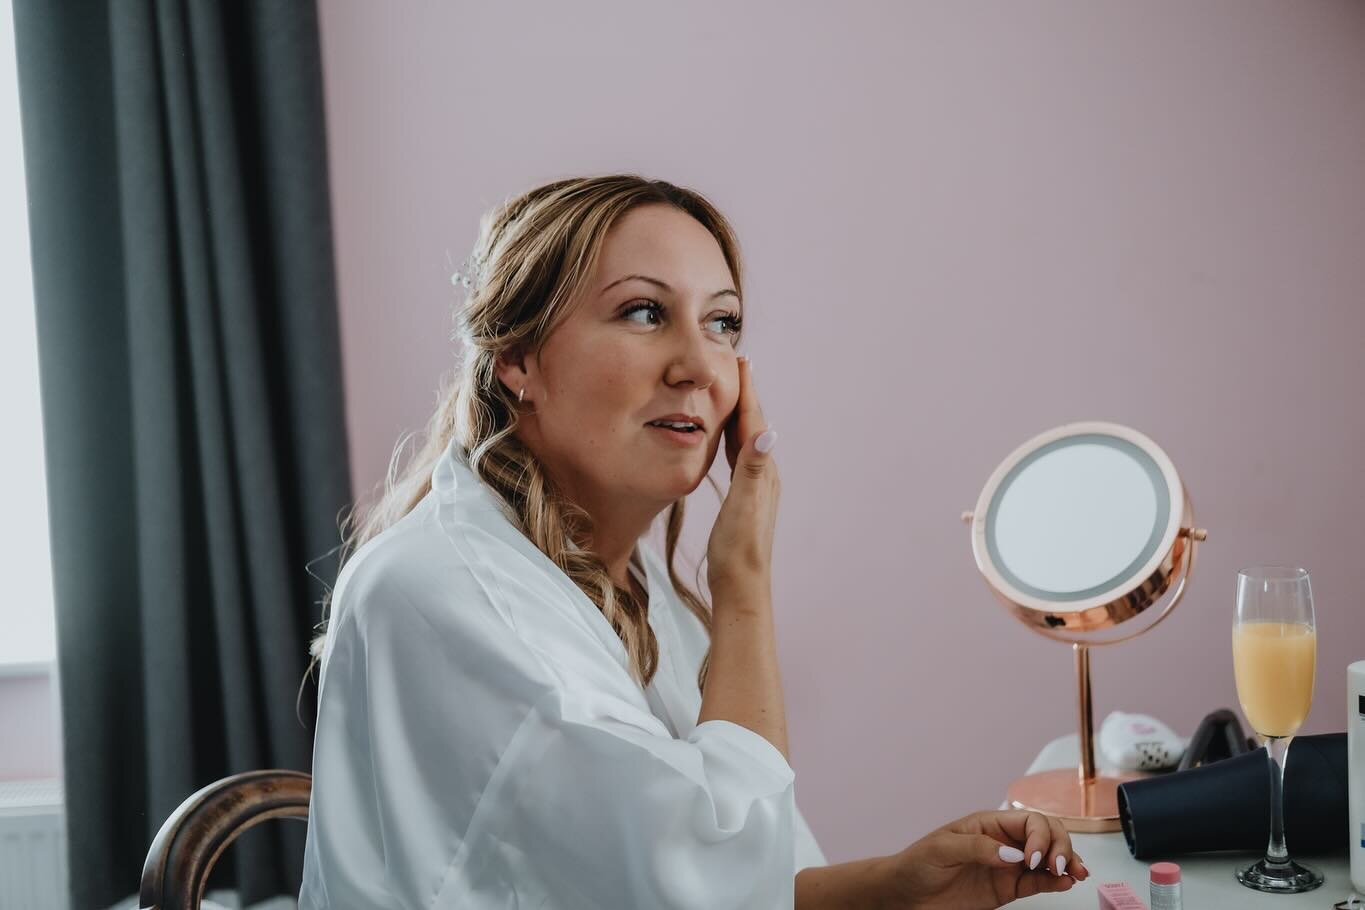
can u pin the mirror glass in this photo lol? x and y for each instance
(1077, 517)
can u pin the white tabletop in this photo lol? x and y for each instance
(1207, 879)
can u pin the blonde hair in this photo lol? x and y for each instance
(535, 253)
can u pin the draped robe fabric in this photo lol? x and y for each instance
(481, 742)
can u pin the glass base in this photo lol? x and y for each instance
(1279, 878)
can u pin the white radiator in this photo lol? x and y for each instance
(32, 846)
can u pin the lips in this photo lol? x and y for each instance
(687, 438)
(680, 418)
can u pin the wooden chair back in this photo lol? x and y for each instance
(188, 845)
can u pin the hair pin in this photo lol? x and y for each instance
(469, 273)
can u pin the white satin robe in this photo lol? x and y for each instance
(480, 742)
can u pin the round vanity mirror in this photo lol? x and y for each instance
(1081, 532)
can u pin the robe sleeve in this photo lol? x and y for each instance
(510, 775)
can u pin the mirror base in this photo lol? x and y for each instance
(1089, 808)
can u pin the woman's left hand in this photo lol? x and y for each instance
(985, 860)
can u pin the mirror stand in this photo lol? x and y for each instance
(1085, 801)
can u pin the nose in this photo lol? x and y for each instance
(691, 364)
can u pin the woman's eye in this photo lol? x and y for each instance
(732, 323)
(647, 306)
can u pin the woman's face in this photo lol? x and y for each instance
(651, 336)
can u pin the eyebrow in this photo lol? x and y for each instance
(664, 286)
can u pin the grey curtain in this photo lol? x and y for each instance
(192, 406)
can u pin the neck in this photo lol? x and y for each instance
(618, 523)
(614, 537)
(618, 520)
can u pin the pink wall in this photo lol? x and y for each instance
(965, 223)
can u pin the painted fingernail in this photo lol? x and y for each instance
(765, 441)
(1011, 854)
(1061, 865)
(1035, 859)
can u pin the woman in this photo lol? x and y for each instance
(521, 705)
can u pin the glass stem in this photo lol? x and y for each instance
(1277, 748)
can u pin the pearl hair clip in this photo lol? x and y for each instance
(469, 274)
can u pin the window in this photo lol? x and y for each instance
(26, 627)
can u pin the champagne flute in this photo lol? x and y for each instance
(1274, 656)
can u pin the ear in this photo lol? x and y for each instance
(515, 369)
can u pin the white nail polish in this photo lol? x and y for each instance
(1061, 865)
(1035, 859)
(1011, 854)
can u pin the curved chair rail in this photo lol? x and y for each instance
(189, 843)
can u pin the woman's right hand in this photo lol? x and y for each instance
(985, 860)
(739, 552)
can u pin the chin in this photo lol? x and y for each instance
(678, 484)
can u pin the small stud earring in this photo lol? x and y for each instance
(522, 394)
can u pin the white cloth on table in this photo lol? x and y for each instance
(1139, 742)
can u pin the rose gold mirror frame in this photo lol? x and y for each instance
(1083, 800)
